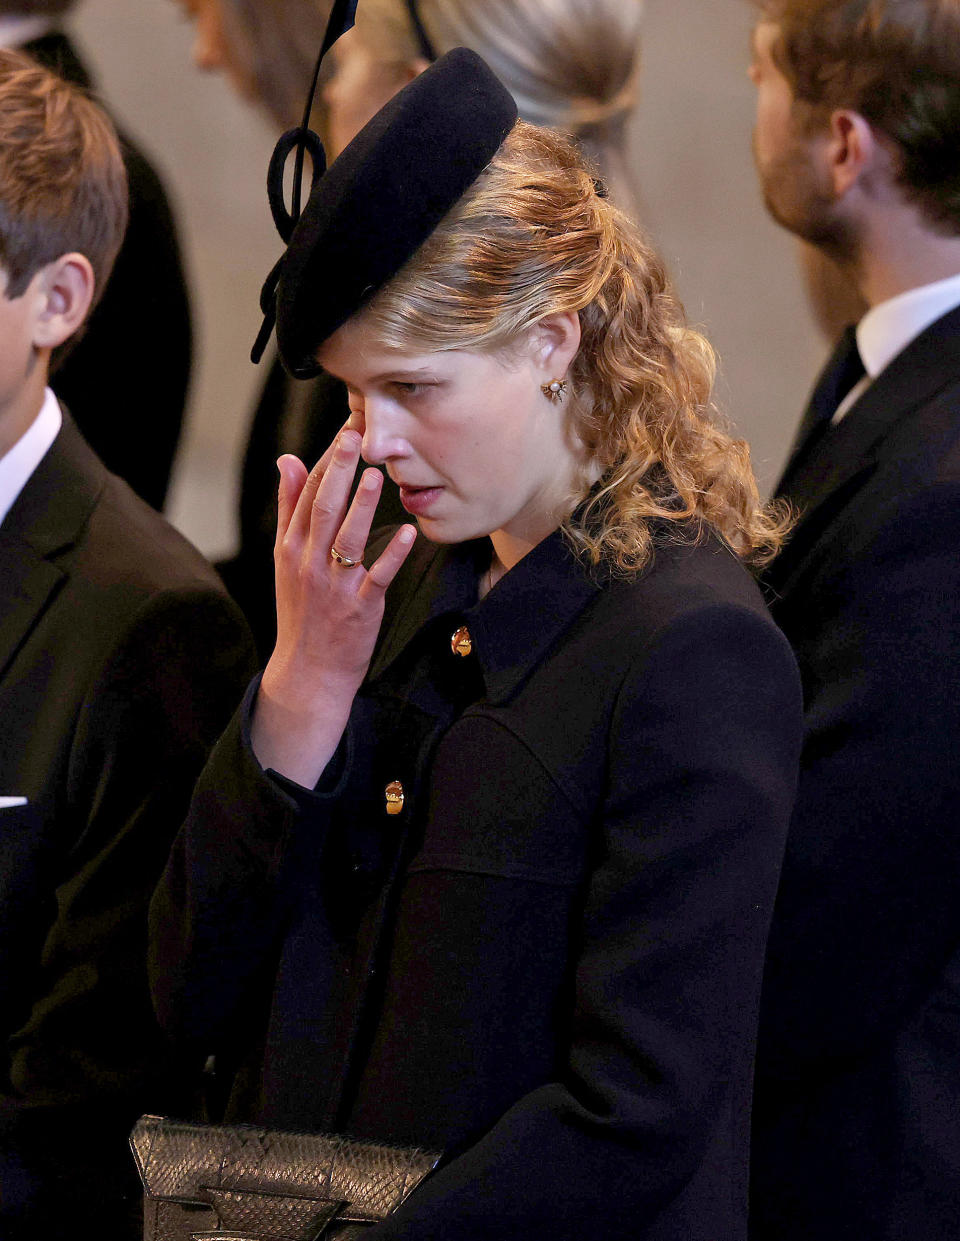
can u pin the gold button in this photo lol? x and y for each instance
(461, 643)
(394, 795)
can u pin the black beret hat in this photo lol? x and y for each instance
(383, 196)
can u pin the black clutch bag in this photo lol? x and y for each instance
(241, 1183)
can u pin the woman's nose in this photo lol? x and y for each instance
(372, 444)
(380, 442)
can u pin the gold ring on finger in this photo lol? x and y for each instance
(343, 560)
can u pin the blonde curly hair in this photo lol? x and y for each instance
(534, 238)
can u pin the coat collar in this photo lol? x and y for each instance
(879, 426)
(512, 628)
(46, 520)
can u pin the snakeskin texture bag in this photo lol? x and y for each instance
(214, 1182)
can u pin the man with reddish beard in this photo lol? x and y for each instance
(857, 1104)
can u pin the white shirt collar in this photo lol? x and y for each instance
(886, 329)
(17, 466)
(15, 31)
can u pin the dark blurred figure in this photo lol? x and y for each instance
(857, 1103)
(143, 320)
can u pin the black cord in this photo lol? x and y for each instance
(342, 17)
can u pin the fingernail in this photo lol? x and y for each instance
(407, 534)
(369, 481)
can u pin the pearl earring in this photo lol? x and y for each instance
(554, 390)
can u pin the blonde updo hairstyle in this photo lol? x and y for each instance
(570, 65)
(533, 238)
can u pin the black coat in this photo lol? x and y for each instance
(857, 1117)
(548, 964)
(133, 426)
(120, 661)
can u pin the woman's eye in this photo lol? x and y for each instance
(409, 389)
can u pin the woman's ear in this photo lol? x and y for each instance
(64, 292)
(556, 340)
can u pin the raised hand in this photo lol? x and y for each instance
(329, 609)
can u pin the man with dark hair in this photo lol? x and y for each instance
(857, 1105)
(146, 300)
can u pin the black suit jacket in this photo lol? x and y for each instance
(121, 657)
(133, 426)
(548, 964)
(857, 1118)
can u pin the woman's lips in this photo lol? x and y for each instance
(417, 500)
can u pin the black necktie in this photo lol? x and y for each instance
(843, 371)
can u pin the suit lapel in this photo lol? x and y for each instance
(29, 583)
(824, 480)
(39, 531)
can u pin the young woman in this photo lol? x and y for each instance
(486, 861)
(564, 71)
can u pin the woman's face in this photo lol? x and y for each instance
(360, 86)
(216, 48)
(471, 440)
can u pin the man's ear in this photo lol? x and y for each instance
(851, 149)
(556, 340)
(64, 293)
